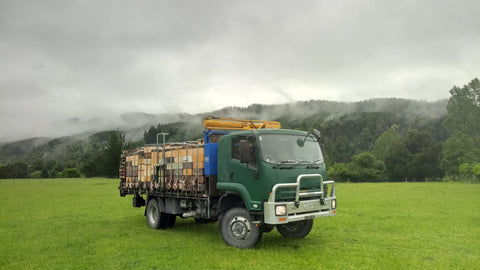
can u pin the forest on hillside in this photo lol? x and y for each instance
(375, 140)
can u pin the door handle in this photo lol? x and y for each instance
(231, 176)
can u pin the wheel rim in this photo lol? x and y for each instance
(153, 214)
(240, 228)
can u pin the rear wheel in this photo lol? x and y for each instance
(238, 230)
(296, 230)
(170, 220)
(157, 219)
(153, 214)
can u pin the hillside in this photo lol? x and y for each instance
(22, 147)
(348, 128)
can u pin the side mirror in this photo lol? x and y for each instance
(246, 155)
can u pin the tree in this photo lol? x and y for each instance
(45, 173)
(363, 168)
(112, 154)
(384, 142)
(71, 173)
(463, 109)
(37, 165)
(367, 168)
(425, 154)
(353, 133)
(93, 166)
(365, 139)
(415, 156)
(36, 174)
(476, 170)
(458, 149)
(339, 172)
(21, 170)
(397, 161)
(104, 155)
(5, 171)
(150, 135)
(17, 170)
(466, 171)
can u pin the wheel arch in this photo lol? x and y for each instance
(230, 200)
(160, 202)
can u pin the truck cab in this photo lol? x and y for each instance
(278, 178)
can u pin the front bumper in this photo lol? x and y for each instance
(301, 209)
(306, 210)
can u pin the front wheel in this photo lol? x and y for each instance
(238, 230)
(296, 230)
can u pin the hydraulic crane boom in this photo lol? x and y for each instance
(221, 123)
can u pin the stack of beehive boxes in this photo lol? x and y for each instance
(181, 167)
(184, 164)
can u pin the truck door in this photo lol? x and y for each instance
(243, 173)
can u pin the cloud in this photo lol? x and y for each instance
(64, 59)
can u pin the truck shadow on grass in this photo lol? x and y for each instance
(274, 240)
(201, 233)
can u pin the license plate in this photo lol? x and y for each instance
(309, 205)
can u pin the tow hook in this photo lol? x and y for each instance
(297, 204)
(322, 201)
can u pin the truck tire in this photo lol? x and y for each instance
(296, 230)
(238, 230)
(170, 220)
(155, 218)
(220, 220)
(266, 228)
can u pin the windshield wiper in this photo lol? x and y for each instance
(311, 164)
(288, 164)
(289, 161)
(285, 164)
(304, 161)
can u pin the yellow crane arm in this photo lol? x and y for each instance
(211, 122)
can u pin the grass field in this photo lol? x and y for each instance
(85, 224)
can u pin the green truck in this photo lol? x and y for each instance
(249, 175)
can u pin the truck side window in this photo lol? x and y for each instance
(235, 147)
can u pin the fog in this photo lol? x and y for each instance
(70, 66)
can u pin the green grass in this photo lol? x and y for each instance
(85, 224)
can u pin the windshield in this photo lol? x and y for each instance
(278, 149)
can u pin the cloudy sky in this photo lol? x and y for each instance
(61, 59)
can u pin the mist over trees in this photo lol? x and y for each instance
(102, 157)
(373, 140)
(67, 157)
(178, 132)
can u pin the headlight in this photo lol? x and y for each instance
(281, 210)
(334, 204)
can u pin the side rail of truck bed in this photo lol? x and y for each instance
(177, 167)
